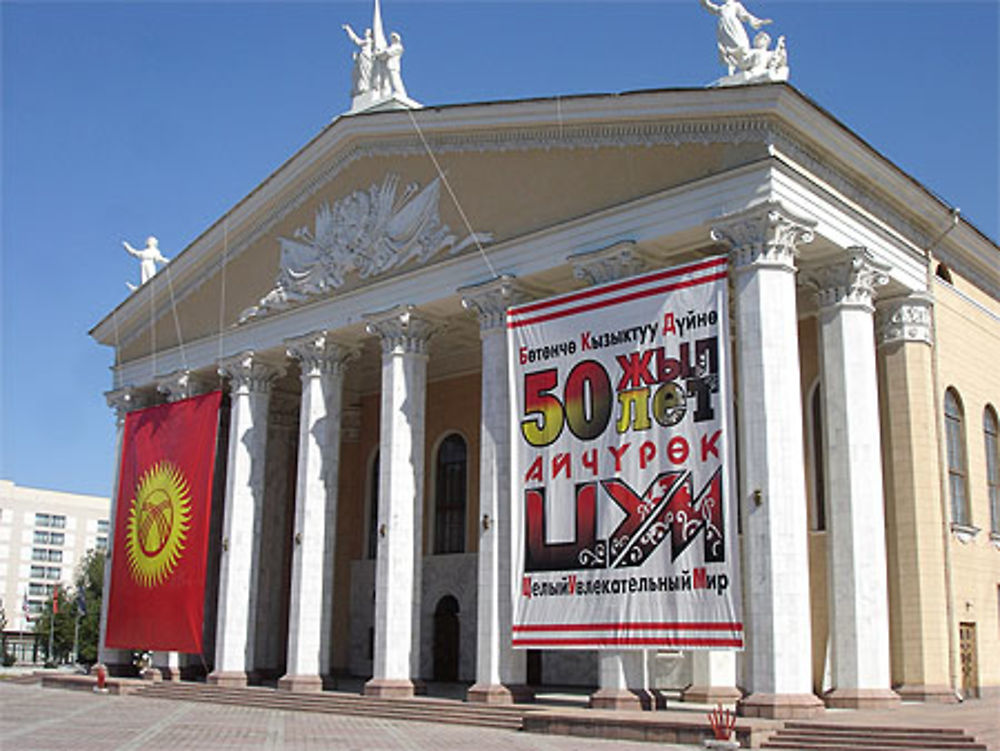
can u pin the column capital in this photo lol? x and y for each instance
(490, 300)
(250, 373)
(850, 280)
(907, 318)
(182, 384)
(319, 354)
(765, 235)
(126, 399)
(401, 329)
(608, 264)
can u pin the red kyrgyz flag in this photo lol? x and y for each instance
(157, 597)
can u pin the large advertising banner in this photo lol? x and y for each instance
(623, 472)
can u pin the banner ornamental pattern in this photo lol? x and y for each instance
(623, 468)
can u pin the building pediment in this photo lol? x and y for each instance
(387, 194)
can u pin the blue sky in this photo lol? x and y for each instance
(124, 119)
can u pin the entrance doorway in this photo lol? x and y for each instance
(967, 657)
(446, 635)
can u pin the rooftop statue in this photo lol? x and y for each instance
(746, 64)
(148, 257)
(377, 79)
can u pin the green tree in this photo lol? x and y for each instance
(89, 582)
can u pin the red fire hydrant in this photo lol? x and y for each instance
(102, 677)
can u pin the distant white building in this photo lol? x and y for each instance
(43, 536)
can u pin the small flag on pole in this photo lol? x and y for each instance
(55, 600)
(81, 602)
(26, 607)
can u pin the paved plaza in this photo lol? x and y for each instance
(44, 719)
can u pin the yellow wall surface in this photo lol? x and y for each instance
(968, 356)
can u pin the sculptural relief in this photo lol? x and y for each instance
(367, 232)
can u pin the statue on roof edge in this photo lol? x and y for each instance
(376, 79)
(746, 64)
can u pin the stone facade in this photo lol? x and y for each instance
(366, 510)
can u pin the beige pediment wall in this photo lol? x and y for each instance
(508, 193)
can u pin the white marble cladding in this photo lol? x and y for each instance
(443, 575)
(763, 245)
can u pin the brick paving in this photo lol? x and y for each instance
(33, 718)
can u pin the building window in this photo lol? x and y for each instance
(50, 520)
(955, 438)
(102, 526)
(102, 543)
(39, 590)
(42, 537)
(449, 495)
(39, 554)
(990, 432)
(34, 607)
(53, 573)
(56, 556)
(38, 572)
(373, 509)
(56, 538)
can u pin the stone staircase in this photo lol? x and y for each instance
(816, 736)
(419, 709)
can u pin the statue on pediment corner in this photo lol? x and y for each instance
(746, 64)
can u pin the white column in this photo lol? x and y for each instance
(500, 669)
(399, 561)
(621, 674)
(713, 674)
(859, 600)
(181, 384)
(315, 529)
(250, 388)
(123, 401)
(763, 243)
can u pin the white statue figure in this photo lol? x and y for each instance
(149, 256)
(363, 59)
(746, 64)
(377, 80)
(388, 67)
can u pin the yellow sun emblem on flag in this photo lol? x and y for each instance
(158, 522)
